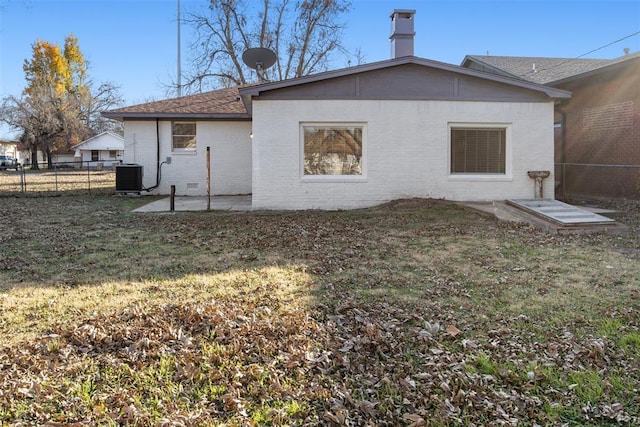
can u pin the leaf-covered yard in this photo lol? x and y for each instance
(418, 312)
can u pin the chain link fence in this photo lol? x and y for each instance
(62, 178)
(590, 180)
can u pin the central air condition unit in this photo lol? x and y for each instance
(129, 178)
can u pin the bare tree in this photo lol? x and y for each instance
(303, 33)
(41, 120)
(102, 98)
(47, 122)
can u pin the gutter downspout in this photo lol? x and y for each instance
(158, 163)
(563, 150)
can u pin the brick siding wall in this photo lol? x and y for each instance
(406, 152)
(230, 154)
(602, 136)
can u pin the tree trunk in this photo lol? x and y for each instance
(49, 159)
(34, 158)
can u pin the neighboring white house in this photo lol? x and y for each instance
(355, 137)
(10, 148)
(102, 150)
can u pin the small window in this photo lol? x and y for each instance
(95, 155)
(332, 150)
(113, 154)
(478, 150)
(183, 136)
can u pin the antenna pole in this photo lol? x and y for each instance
(259, 71)
(179, 82)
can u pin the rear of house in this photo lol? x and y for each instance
(174, 152)
(172, 139)
(404, 128)
(350, 138)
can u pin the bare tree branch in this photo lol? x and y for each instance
(303, 33)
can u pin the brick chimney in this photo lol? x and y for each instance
(402, 33)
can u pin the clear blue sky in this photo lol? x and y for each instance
(132, 43)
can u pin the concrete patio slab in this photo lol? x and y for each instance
(187, 204)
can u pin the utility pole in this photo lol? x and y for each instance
(179, 82)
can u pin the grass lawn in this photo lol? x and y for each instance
(414, 313)
(63, 181)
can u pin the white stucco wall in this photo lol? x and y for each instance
(230, 153)
(406, 152)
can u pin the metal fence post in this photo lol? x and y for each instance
(23, 181)
(88, 179)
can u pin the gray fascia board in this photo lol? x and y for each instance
(197, 116)
(549, 91)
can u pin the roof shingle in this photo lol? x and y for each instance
(222, 103)
(543, 70)
(228, 104)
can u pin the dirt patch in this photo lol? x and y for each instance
(414, 203)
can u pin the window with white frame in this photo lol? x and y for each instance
(183, 136)
(332, 149)
(478, 150)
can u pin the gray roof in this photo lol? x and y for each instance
(234, 103)
(216, 104)
(541, 70)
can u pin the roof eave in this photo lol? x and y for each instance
(120, 116)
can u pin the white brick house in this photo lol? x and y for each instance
(349, 138)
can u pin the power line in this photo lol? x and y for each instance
(607, 45)
(583, 55)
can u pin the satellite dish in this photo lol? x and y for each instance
(259, 58)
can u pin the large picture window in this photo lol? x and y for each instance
(478, 150)
(183, 136)
(332, 149)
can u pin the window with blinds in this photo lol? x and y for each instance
(183, 136)
(478, 150)
(332, 150)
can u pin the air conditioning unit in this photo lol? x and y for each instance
(129, 178)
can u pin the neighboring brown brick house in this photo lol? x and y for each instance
(597, 136)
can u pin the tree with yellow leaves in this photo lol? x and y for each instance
(55, 90)
(57, 108)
